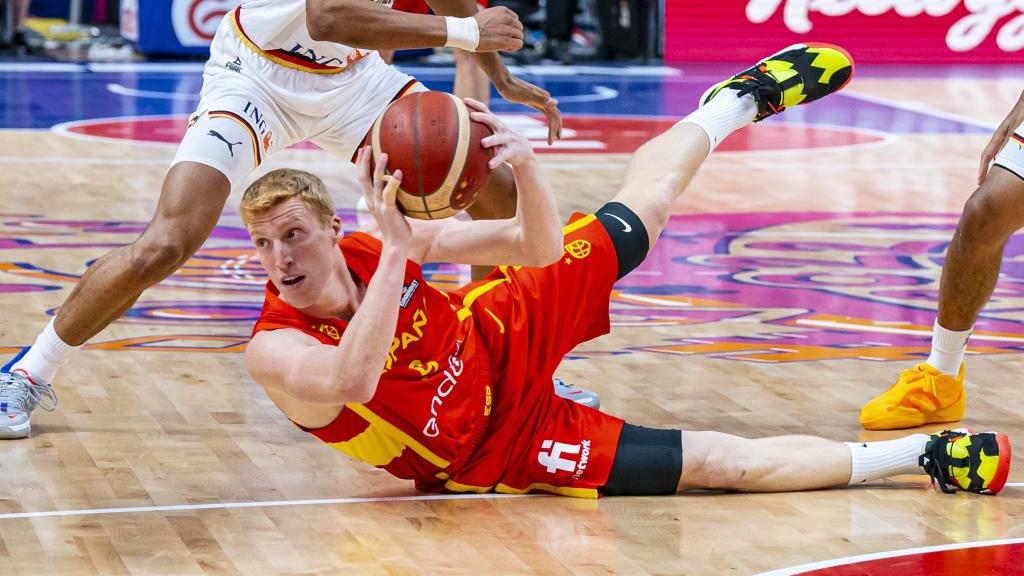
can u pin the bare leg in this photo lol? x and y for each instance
(190, 204)
(783, 463)
(470, 80)
(991, 215)
(659, 172)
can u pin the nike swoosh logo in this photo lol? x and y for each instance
(626, 227)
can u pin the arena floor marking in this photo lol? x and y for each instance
(429, 497)
(918, 108)
(795, 570)
(887, 330)
(266, 504)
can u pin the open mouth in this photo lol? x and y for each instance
(292, 280)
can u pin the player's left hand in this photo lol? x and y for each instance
(509, 146)
(521, 92)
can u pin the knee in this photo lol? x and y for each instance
(983, 221)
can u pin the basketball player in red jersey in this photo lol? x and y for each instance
(450, 389)
(280, 72)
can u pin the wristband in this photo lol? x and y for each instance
(462, 33)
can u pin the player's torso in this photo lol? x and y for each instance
(278, 27)
(434, 394)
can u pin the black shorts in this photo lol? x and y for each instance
(628, 234)
(648, 462)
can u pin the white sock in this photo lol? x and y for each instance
(46, 356)
(877, 460)
(948, 349)
(723, 115)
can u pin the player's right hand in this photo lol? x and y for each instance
(380, 191)
(1000, 137)
(509, 146)
(500, 29)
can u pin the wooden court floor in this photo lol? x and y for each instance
(164, 457)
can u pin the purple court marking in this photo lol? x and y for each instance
(774, 286)
(22, 288)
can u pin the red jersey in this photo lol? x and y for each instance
(432, 403)
(465, 402)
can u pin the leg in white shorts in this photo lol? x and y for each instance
(251, 107)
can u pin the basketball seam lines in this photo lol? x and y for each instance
(416, 155)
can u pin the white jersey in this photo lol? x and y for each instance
(278, 28)
(268, 85)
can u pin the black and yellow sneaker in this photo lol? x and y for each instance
(972, 462)
(799, 74)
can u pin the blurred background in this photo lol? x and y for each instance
(557, 31)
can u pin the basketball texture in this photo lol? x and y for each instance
(430, 137)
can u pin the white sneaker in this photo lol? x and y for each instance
(578, 395)
(19, 396)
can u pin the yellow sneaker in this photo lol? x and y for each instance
(978, 463)
(921, 395)
(799, 74)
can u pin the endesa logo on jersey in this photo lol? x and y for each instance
(195, 21)
(931, 31)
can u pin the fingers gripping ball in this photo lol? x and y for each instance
(430, 137)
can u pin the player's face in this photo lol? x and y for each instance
(297, 250)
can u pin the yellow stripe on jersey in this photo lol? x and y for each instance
(560, 490)
(483, 289)
(382, 438)
(501, 326)
(456, 487)
(574, 226)
(371, 447)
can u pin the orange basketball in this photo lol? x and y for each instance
(431, 139)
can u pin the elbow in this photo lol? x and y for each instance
(546, 255)
(361, 393)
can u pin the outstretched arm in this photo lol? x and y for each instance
(365, 24)
(532, 238)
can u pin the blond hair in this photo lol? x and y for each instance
(282, 184)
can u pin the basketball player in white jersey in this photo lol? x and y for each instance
(280, 72)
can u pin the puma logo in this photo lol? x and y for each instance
(231, 145)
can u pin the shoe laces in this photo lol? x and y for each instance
(933, 460)
(21, 394)
(762, 87)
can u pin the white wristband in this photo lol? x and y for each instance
(462, 33)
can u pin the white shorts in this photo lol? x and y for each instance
(1011, 157)
(251, 107)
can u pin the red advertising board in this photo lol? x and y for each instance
(938, 31)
